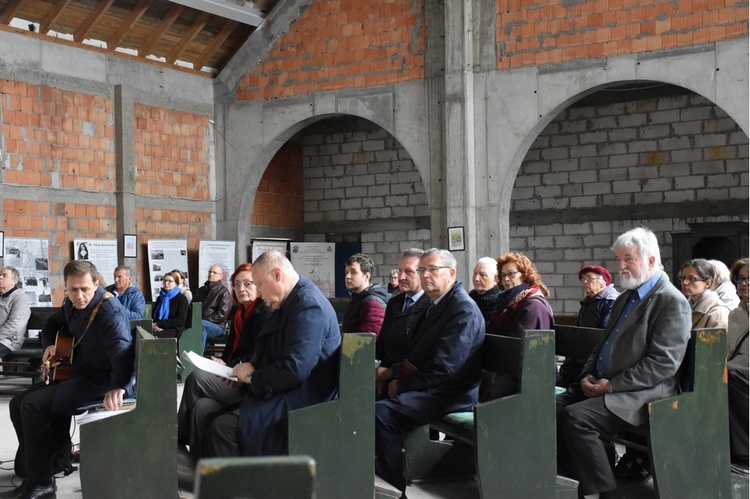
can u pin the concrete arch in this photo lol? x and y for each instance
(716, 71)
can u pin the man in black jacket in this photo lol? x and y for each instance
(216, 302)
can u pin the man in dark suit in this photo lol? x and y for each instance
(393, 340)
(441, 370)
(295, 363)
(636, 363)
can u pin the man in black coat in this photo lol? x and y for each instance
(441, 370)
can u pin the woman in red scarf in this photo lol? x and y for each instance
(205, 395)
(522, 304)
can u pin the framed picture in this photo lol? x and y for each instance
(456, 239)
(130, 244)
(2, 244)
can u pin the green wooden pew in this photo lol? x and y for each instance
(134, 454)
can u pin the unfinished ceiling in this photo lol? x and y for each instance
(197, 35)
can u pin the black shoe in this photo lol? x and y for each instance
(39, 492)
(640, 471)
(624, 464)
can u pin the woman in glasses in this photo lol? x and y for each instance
(170, 310)
(522, 304)
(737, 368)
(695, 279)
(206, 394)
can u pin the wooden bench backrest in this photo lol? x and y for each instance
(340, 434)
(39, 316)
(502, 354)
(576, 341)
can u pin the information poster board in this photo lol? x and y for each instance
(260, 246)
(316, 262)
(165, 255)
(31, 258)
(101, 252)
(219, 253)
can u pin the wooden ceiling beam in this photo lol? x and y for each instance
(220, 37)
(133, 18)
(199, 23)
(160, 30)
(10, 11)
(84, 29)
(53, 15)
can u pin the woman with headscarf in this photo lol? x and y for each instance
(206, 395)
(170, 310)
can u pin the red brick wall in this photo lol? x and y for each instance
(531, 32)
(279, 202)
(48, 130)
(172, 153)
(342, 44)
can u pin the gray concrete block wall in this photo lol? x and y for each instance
(661, 151)
(354, 171)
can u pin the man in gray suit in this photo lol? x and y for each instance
(636, 363)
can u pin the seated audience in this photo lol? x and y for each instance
(737, 369)
(636, 363)
(15, 311)
(366, 308)
(723, 285)
(522, 304)
(393, 341)
(130, 296)
(206, 394)
(295, 364)
(440, 373)
(182, 284)
(594, 312)
(215, 304)
(170, 312)
(485, 290)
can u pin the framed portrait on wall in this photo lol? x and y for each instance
(456, 239)
(130, 246)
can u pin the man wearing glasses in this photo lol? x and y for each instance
(441, 370)
(216, 301)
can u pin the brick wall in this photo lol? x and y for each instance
(172, 152)
(278, 201)
(532, 32)
(339, 44)
(355, 171)
(669, 152)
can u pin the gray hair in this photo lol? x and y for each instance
(645, 241)
(13, 272)
(721, 272)
(271, 259)
(412, 253)
(446, 258)
(128, 270)
(488, 263)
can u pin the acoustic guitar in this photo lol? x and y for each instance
(59, 367)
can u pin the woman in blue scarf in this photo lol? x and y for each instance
(171, 309)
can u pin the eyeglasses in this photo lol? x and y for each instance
(510, 275)
(167, 280)
(740, 278)
(590, 279)
(431, 269)
(689, 278)
(246, 285)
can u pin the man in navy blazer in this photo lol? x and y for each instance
(637, 361)
(441, 370)
(295, 363)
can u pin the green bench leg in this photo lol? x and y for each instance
(436, 460)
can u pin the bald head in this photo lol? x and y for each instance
(274, 277)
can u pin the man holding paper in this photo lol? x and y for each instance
(294, 365)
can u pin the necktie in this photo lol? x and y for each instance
(408, 302)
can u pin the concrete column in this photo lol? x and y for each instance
(125, 168)
(460, 171)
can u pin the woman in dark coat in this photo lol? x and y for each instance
(170, 310)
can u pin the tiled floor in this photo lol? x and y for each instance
(70, 487)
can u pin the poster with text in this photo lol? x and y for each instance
(165, 255)
(31, 258)
(101, 252)
(260, 246)
(316, 262)
(219, 253)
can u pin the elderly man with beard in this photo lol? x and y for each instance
(636, 363)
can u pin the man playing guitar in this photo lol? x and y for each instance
(102, 369)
